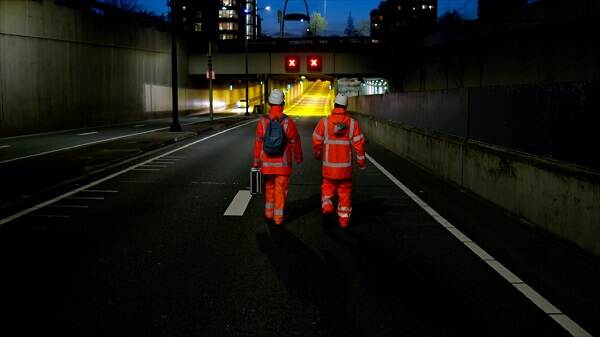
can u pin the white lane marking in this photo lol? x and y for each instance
(4, 146)
(479, 251)
(238, 204)
(88, 133)
(68, 206)
(87, 188)
(97, 142)
(100, 191)
(569, 325)
(143, 169)
(504, 272)
(537, 299)
(458, 234)
(85, 198)
(139, 125)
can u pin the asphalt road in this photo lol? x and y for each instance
(149, 252)
(19, 148)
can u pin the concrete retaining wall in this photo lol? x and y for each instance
(558, 120)
(63, 68)
(560, 198)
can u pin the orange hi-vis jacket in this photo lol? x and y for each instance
(335, 149)
(279, 165)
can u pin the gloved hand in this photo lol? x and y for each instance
(256, 164)
(317, 155)
(362, 167)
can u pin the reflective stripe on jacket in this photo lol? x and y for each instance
(336, 149)
(277, 164)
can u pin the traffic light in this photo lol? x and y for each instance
(315, 64)
(292, 64)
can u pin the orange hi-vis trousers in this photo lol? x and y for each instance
(276, 190)
(343, 189)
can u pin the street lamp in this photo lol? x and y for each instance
(247, 11)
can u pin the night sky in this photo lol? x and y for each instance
(337, 11)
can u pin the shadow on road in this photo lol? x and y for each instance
(301, 207)
(309, 277)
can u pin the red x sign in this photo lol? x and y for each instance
(315, 64)
(292, 64)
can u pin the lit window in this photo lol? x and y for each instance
(198, 27)
(229, 3)
(424, 7)
(228, 14)
(227, 36)
(228, 26)
(430, 6)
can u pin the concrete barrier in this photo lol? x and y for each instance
(560, 198)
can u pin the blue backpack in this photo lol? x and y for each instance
(275, 140)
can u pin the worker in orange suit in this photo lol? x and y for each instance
(277, 141)
(333, 140)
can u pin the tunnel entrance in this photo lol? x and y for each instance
(306, 95)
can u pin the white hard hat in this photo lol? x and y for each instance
(276, 97)
(341, 99)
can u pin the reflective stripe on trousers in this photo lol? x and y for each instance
(276, 189)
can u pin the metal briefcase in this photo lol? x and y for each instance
(255, 181)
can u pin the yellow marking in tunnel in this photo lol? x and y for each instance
(315, 102)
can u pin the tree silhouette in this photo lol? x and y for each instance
(317, 24)
(126, 5)
(350, 29)
(364, 28)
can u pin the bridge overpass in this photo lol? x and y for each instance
(334, 64)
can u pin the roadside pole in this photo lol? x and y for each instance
(175, 126)
(210, 83)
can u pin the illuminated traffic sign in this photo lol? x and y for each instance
(315, 64)
(292, 64)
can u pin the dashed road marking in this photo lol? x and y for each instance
(154, 166)
(139, 125)
(239, 204)
(88, 133)
(68, 206)
(553, 312)
(98, 141)
(87, 188)
(100, 191)
(85, 198)
(4, 146)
